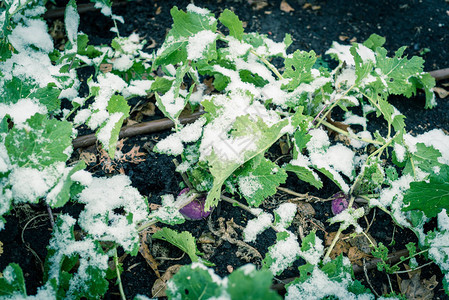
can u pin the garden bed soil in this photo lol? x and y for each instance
(420, 25)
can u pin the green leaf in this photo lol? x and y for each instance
(305, 174)
(243, 126)
(256, 183)
(362, 68)
(42, 143)
(430, 197)
(60, 194)
(298, 69)
(108, 133)
(172, 103)
(277, 259)
(398, 70)
(424, 158)
(194, 282)
(250, 284)
(161, 85)
(184, 241)
(185, 25)
(232, 22)
(248, 76)
(12, 282)
(48, 96)
(16, 89)
(374, 41)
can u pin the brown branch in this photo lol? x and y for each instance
(136, 129)
(440, 74)
(372, 264)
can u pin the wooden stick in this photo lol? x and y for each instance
(440, 74)
(136, 129)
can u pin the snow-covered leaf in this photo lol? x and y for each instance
(256, 183)
(41, 144)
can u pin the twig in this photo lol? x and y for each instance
(50, 215)
(440, 74)
(306, 197)
(367, 279)
(136, 129)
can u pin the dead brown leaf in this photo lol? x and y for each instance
(158, 10)
(356, 256)
(160, 285)
(414, 288)
(106, 68)
(258, 4)
(343, 37)
(316, 7)
(88, 157)
(144, 250)
(306, 210)
(442, 93)
(286, 7)
(307, 5)
(154, 206)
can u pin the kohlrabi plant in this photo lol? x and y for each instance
(254, 104)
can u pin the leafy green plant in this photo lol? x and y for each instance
(224, 151)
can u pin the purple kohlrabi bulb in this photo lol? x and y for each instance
(195, 209)
(340, 202)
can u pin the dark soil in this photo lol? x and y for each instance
(420, 25)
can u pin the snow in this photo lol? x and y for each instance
(198, 10)
(32, 34)
(64, 245)
(137, 88)
(105, 132)
(105, 9)
(71, 20)
(353, 119)
(216, 137)
(199, 43)
(318, 141)
(365, 53)
(248, 185)
(237, 48)
(37, 184)
(123, 63)
(435, 138)
(347, 77)
(22, 110)
(314, 253)
(349, 217)
(319, 286)
(286, 212)
(284, 253)
(171, 145)
(439, 245)
(399, 151)
(192, 132)
(342, 52)
(101, 197)
(188, 134)
(257, 226)
(83, 177)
